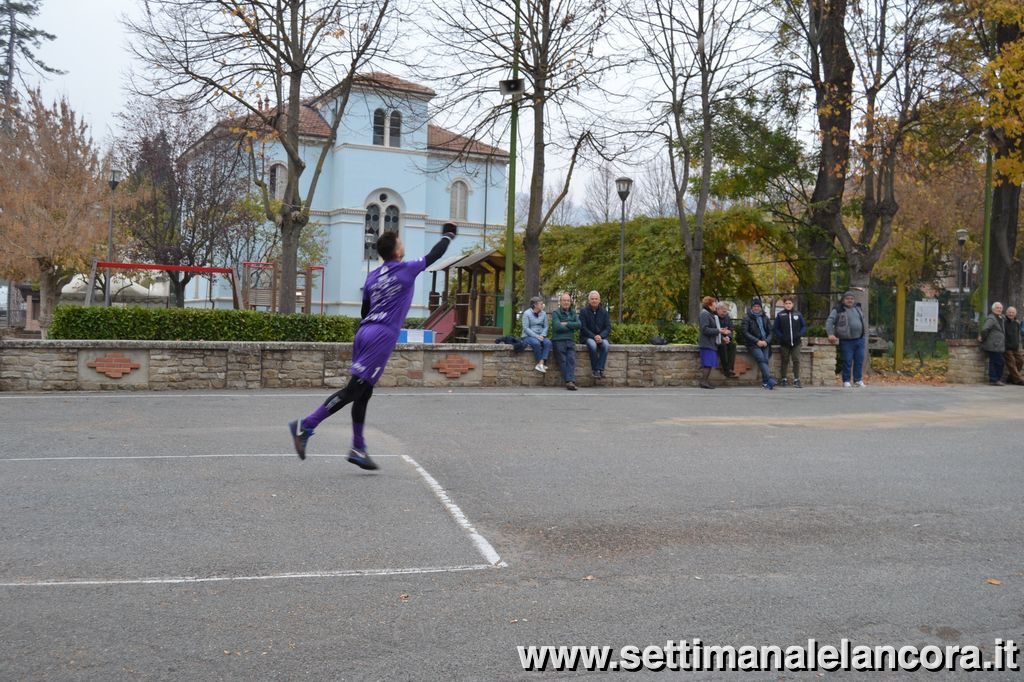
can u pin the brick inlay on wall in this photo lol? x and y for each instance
(453, 366)
(114, 365)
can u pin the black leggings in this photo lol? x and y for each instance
(358, 393)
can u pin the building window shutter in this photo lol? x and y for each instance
(395, 133)
(378, 127)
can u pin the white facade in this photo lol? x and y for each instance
(390, 169)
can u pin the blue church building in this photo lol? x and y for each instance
(390, 169)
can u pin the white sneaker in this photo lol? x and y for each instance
(540, 368)
(846, 384)
(859, 384)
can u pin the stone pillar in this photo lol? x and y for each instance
(968, 364)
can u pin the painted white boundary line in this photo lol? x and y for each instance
(182, 580)
(481, 543)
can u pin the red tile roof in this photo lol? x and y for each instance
(311, 123)
(379, 79)
(439, 138)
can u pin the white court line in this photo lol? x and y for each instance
(481, 543)
(240, 578)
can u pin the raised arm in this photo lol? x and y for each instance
(447, 235)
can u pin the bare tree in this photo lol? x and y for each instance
(600, 200)
(655, 195)
(698, 52)
(812, 44)
(557, 54)
(266, 62)
(895, 45)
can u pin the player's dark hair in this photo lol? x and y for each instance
(386, 245)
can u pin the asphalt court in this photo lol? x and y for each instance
(74, 518)
(498, 518)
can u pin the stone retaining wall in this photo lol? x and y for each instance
(27, 365)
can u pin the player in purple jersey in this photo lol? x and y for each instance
(387, 296)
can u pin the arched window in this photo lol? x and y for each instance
(391, 216)
(395, 133)
(378, 126)
(277, 180)
(459, 200)
(371, 232)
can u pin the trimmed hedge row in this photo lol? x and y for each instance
(197, 324)
(194, 324)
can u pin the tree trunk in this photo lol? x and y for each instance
(531, 237)
(833, 92)
(1003, 246)
(50, 284)
(289, 262)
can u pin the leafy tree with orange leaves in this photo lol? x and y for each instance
(52, 194)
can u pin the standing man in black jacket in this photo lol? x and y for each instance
(595, 327)
(790, 328)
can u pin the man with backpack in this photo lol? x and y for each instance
(846, 324)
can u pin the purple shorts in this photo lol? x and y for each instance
(371, 350)
(708, 357)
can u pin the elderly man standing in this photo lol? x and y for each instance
(846, 324)
(595, 326)
(1012, 355)
(993, 342)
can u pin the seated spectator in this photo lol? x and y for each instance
(757, 333)
(564, 323)
(726, 349)
(535, 333)
(595, 326)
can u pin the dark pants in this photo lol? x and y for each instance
(565, 352)
(852, 353)
(995, 366)
(789, 352)
(727, 358)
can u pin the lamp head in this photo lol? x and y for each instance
(115, 178)
(623, 186)
(961, 237)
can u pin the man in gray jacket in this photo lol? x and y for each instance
(993, 342)
(846, 324)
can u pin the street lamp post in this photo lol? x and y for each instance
(961, 239)
(115, 179)
(622, 185)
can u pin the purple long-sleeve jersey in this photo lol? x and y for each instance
(390, 290)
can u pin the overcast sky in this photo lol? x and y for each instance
(90, 46)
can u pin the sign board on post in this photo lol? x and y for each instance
(926, 315)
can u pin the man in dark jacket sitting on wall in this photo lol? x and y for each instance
(595, 326)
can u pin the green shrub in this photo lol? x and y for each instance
(193, 324)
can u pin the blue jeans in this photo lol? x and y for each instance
(565, 351)
(598, 355)
(852, 353)
(541, 349)
(761, 357)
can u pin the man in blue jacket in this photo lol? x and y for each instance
(595, 326)
(757, 333)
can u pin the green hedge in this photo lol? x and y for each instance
(193, 324)
(642, 333)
